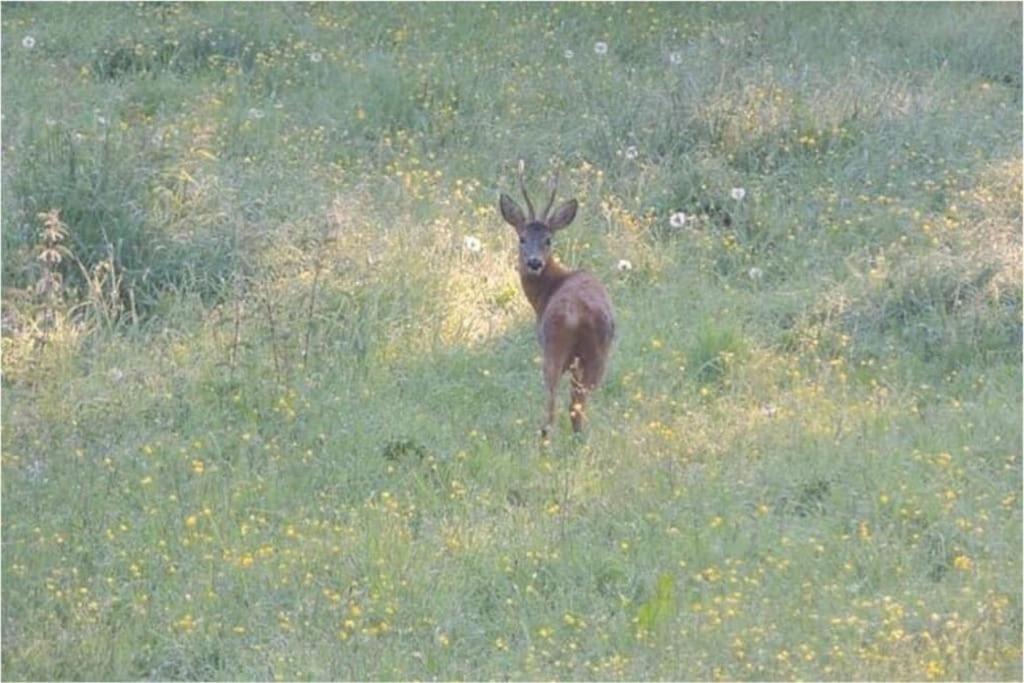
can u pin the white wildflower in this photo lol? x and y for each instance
(624, 266)
(755, 273)
(569, 54)
(35, 470)
(28, 42)
(738, 193)
(632, 152)
(472, 244)
(675, 58)
(601, 47)
(677, 220)
(316, 57)
(255, 113)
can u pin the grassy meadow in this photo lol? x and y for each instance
(271, 391)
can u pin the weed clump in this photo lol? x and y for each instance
(717, 347)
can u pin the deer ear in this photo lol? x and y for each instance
(563, 215)
(511, 212)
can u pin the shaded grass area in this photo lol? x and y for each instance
(277, 419)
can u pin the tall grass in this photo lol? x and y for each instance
(269, 416)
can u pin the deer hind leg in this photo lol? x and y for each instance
(578, 396)
(587, 373)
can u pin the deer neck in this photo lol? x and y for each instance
(540, 288)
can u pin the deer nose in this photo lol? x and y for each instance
(534, 263)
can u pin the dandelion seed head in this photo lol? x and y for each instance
(624, 266)
(738, 193)
(632, 152)
(28, 42)
(601, 48)
(472, 244)
(755, 273)
(677, 220)
(675, 58)
(316, 57)
(569, 54)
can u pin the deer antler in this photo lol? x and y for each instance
(553, 186)
(522, 186)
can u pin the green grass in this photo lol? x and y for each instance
(275, 420)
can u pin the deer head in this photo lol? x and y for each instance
(535, 231)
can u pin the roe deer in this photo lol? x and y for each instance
(575, 323)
